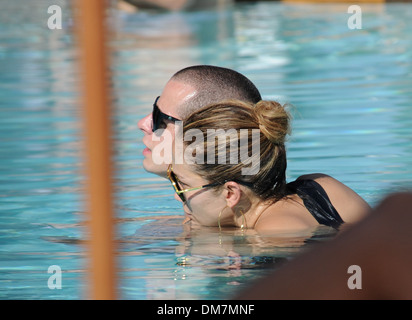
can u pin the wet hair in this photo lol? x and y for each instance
(214, 84)
(272, 122)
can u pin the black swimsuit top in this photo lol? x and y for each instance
(317, 202)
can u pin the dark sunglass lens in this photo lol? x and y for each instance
(182, 197)
(155, 117)
(175, 181)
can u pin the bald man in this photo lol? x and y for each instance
(187, 91)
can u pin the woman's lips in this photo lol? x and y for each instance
(146, 151)
(186, 220)
(188, 217)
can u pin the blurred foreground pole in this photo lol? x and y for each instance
(91, 32)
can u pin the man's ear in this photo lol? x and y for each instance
(233, 193)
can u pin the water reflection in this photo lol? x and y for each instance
(171, 258)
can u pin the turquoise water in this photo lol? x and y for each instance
(352, 98)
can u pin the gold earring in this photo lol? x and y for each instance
(243, 225)
(218, 219)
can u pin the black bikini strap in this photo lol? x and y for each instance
(317, 202)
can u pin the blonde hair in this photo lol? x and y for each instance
(270, 118)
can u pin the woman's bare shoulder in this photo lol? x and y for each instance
(286, 215)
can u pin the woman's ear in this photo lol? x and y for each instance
(233, 193)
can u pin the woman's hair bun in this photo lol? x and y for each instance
(273, 120)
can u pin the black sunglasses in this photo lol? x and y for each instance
(158, 117)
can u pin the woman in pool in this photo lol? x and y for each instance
(227, 195)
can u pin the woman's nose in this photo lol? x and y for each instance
(178, 198)
(145, 124)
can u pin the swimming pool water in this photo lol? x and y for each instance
(351, 92)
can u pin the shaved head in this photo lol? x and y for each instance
(214, 84)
